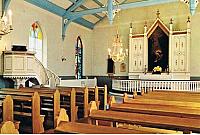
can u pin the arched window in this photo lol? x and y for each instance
(79, 59)
(36, 41)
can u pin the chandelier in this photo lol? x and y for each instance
(117, 53)
(6, 23)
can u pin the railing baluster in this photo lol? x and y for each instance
(131, 85)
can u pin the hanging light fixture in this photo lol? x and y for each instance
(117, 53)
(6, 23)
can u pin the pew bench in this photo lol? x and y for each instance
(82, 128)
(191, 105)
(172, 96)
(187, 125)
(165, 110)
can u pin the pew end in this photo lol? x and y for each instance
(62, 116)
(8, 108)
(9, 127)
(142, 92)
(92, 106)
(112, 100)
(134, 93)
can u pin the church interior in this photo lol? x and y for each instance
(99, 67)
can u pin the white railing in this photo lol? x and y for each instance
(41, 73)
(79, 83)
(54, 80)
(45, 76)
(172, 85)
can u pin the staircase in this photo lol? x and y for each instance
(22, 66)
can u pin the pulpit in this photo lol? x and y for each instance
(19, 66)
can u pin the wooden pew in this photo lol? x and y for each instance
(162, 102)
(75, 91)
(172, 95)
(8, 111)
(64, 126)
(34, 99)
(96, 90)
(53, 94)
(82, 128)
(165, 110)
(187, 125)
(63, 92)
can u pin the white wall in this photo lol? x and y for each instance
(24, 14)
(104, 32)
(97, 41)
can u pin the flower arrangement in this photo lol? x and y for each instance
(157, 69)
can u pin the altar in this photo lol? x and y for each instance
(160, 46)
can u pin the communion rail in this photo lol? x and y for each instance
(172, 85)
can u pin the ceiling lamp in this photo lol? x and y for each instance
(6, 23)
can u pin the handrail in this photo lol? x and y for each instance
(54, 76)
(46, 79)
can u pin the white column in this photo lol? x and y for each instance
(170, 47)
(18, 82)
(130, 50)
(188, 46)
(145, 47)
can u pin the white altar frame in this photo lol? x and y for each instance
(179, 58)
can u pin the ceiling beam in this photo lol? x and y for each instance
(96, 15)
(57, 10)
(49, 6)
(123, 6)
(106, 15)
(75, 5)
(192, 6)
(110, 11)
(83, 7)
(98, 2)
(5, 4)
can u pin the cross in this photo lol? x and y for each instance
(171, 21)
(158, 13)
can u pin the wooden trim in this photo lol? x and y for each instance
(137, 36)
(56, 106)
(105, 96)
(37, 122)
(96, 92)
(179, 32)
(86, 102)
(73, 105)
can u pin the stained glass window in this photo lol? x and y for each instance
(79, 59)
(35, 40)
